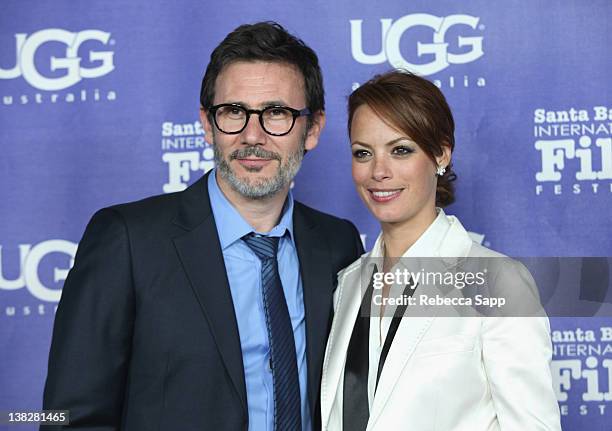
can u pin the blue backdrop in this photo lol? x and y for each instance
(99, 105)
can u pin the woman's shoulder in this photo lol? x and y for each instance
(459, 237)
(479, 250)
(458, 242)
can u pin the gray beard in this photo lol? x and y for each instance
(266, 187)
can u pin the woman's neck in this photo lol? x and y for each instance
(399, 237)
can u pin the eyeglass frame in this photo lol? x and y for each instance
(294, 112)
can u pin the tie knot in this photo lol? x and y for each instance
(262, 246)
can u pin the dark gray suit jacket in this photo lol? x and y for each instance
(145, 336)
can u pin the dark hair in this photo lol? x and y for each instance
(416, 107)
(265, 41)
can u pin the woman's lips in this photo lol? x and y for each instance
(384, 195)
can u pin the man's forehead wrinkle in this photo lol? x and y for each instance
(259, 84)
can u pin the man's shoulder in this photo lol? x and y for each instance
(340, 234)
(150, 213)
(183, 206)
(320, 218)
(150, 207)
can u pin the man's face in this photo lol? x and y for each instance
(253, 163)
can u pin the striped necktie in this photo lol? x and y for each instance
(287, 407)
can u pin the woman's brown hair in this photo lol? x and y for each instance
(416, 107)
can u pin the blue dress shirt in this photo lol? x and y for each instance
(244, 275)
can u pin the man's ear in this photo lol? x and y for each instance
(208, 127)
(312, 138)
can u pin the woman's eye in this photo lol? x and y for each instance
(360, 154)
(402, 151)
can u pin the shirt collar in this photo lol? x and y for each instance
(428, 243)
(231, 226)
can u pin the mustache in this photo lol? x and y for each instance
(254, 151)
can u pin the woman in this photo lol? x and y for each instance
(427, 372)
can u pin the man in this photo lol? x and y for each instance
(209, 309)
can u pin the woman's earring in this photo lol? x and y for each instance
(441, 170)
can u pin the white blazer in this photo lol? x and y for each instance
(447, 373)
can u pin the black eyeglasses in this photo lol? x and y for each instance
(231, 118)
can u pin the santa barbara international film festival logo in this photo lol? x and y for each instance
(575, 145)
(54, 60)
(582, 370)
(185, 152)
(451, 40)
(40, 269)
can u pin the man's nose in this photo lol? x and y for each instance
(253, 133)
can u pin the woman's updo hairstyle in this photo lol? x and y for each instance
(416, 107)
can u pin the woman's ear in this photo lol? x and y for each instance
(445, 158)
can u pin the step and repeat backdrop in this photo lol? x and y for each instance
(99, 105)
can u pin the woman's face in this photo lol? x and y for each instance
(392, 174)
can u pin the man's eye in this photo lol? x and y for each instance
(230, 112)
(277, 113)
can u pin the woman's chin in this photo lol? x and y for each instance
(387, 217)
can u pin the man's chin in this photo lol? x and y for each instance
(253, 178)
(255, 186)
(258, 183)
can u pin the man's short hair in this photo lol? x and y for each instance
(265, 41)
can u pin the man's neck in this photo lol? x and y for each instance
(262, 214)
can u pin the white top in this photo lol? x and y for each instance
(446, 373)
(426, 246)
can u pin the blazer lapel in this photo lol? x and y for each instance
(408, 336)
(317, 279)
(455, 244)
(200, 253)
(352, 284)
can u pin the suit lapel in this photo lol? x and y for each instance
(200, 253)
(351, 284)
(408, 336)
(455, 244)
(410, 332)
(317, 279)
